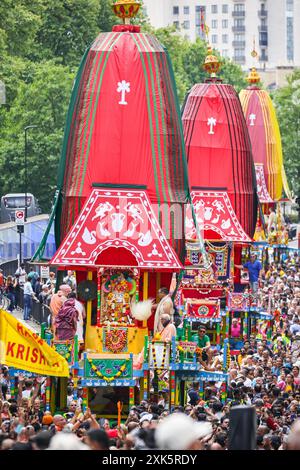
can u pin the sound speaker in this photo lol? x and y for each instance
(242, 428)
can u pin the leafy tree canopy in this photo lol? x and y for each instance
(41, 102)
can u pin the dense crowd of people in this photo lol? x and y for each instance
(65, 314)
(264, 374)
(29, 286)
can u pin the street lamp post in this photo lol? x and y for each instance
(25, 165)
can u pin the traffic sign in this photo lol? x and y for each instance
(45, 272)
(20, 216)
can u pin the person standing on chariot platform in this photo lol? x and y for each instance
(57, 301)
(81, 317)
(66, 321)
(271, 219)
(165, 306)
(168, 330)
(254, 267)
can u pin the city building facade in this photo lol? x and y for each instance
(234, 24)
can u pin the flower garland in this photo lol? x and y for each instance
(104, 377)
(216, 248)
(163, 357)
(116, 340)
(129, 342)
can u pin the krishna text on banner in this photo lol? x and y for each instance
(23, 349)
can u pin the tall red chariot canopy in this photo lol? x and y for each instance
(124, 131)
(220, 160)
(265, 138)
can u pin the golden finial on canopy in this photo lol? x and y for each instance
(212, 64)
(126, 9)
(253, 76)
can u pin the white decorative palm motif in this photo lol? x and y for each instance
(252, 118)
(211, 122)
(123, 88)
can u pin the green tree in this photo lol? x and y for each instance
(19, 22)
(42, 102)
(68, 27)
(13, 72)
(194, 58)
(106, 18)
(233, 74)
(287, 102)
(176, 46)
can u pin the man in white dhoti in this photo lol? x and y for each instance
(271, 219)
(80, 322)
(164, 306)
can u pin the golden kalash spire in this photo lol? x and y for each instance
(253, 77)
(212, 64)
(126, 9)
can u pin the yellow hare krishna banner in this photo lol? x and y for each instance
(23, 349)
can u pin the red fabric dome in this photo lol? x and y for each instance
(219, 150)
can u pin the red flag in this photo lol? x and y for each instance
(202, 20)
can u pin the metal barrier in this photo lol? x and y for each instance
(39, 312)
